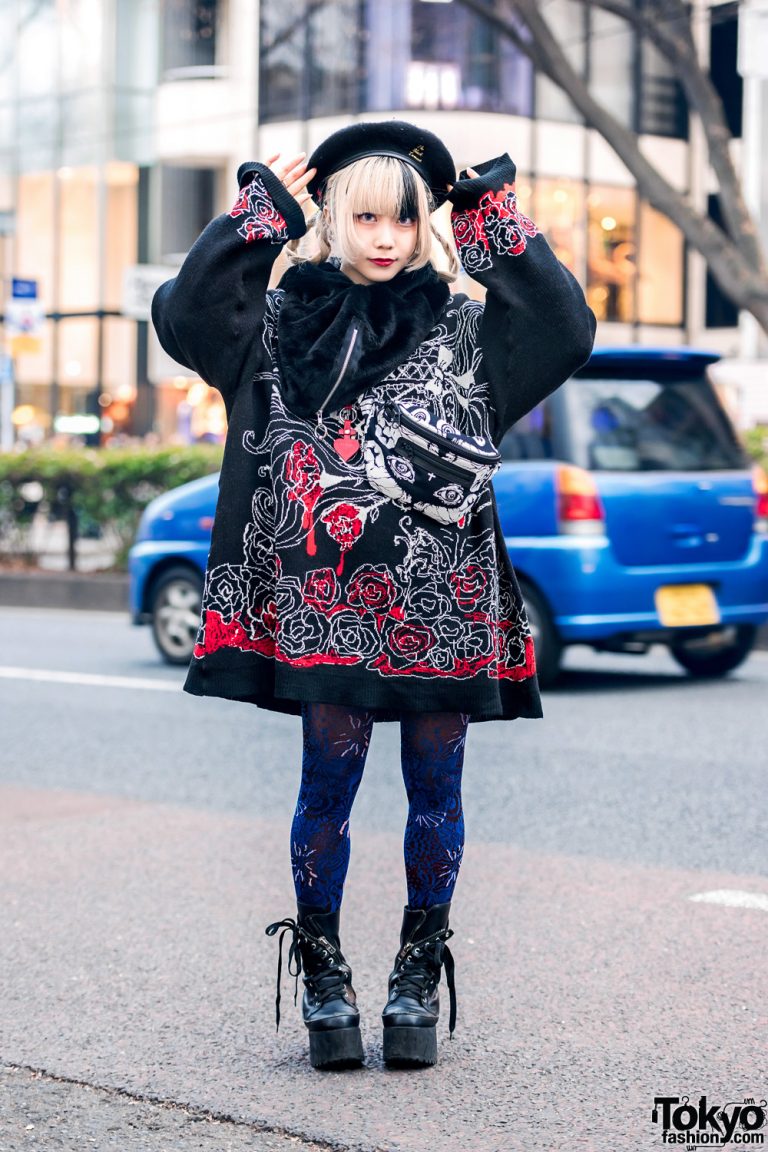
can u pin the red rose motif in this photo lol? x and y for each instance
(241, 204)
(344, 526)
(411, 640)
(269, 617)
(302, 471)
(468, 585)
(321, 589)
(264, 221)
(372, 589)
(505, 225)
(468, 228)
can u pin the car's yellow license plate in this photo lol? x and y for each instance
(686, 605)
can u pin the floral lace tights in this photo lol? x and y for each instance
(335, 746)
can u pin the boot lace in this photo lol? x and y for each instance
(418, 964)
(328, 983)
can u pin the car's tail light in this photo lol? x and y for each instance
(760, 485)
(579, 507)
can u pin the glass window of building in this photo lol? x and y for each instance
(284, 46)
(723, 67)
(385, 54)
(35, 233)
(660, 269)
(136, 66)
(81, 116)
(559, 214)
(335, 64)
(189, 34)
(611, 252)
(78, 234)
(36, 44)
(118, 376)
(80, 31)
(663, 110)
(7, 52)
(34, 372)
(721, 312)
(78, 343)
(569, 19)
(458, 60)
(188, 203)
(121, 228)
(38, 133)
(612, 63)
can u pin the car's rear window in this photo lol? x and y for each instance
(649, 425)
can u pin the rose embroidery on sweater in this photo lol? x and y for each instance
(262, 220)
(497, 225)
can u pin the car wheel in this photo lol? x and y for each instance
(716, 654)
(175, 607)
(546, 643)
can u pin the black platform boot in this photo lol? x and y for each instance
(329, 1004)
(412, 1010)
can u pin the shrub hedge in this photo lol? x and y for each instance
(99, 491)
(104, 491)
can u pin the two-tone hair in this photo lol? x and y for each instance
(384, 186)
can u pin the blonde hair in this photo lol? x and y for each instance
(385, 186)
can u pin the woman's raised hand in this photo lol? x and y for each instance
(293, 174)
(471, 173)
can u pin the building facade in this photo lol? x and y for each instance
(122, 123)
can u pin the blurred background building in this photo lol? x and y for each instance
(122, 123)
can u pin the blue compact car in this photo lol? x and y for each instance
(632, 514)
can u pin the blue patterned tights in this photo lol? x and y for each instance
(335, 746)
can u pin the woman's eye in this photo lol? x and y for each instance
(367, 215)
(407, 219)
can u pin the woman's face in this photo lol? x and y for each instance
(387, 243)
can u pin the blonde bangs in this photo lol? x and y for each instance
(385, 186)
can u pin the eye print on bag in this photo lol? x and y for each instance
(451, 495)
(402, 468)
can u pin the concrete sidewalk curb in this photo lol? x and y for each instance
(103, 592)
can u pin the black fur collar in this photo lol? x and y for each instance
(320, 307)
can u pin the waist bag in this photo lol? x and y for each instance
(422, 462)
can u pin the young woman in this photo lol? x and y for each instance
(328, 593)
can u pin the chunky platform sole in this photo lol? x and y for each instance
(404, 1045)
(336, 1048)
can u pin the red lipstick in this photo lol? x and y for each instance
(382, 263)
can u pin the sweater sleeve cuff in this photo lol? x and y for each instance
(492, 176)
(485, 219)
(264, 183)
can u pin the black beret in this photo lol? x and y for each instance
(416, 146)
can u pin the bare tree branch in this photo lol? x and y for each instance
(667, 26)
(741, 280)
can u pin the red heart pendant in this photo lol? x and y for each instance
(347, 443)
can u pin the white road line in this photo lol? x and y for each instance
(51, 676)
(733, 898)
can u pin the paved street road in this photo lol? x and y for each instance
(144, 848)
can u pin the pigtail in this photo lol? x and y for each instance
(315, 245)
(453, 269)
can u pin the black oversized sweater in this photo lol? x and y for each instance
(318, 588)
